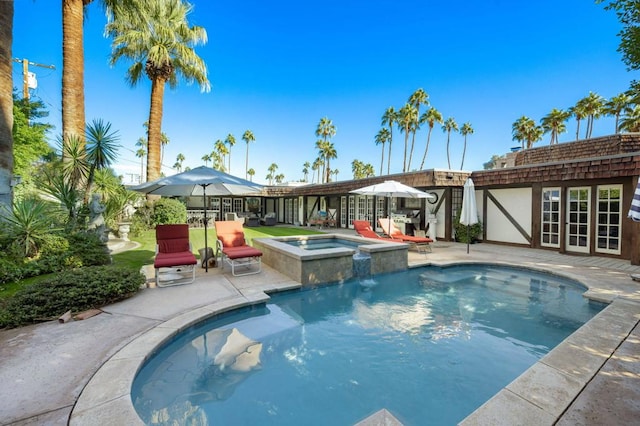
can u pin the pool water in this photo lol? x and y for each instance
(430, 345)
(323, 243)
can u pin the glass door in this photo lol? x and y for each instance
(578, 219)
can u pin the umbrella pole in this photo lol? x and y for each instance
(206, 246)
(468, 233)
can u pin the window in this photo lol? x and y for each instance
(550, 223)
(237, 205)
(609, 219)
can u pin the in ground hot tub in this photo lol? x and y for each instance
(317, 259)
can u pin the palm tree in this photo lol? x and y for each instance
(206, 158)
(217, 162)
(593, 107)
(416, 99)
(578, 111)
(448, 126)
(407, 120)
(305, 170)
(615, 106)
(141, 153)
(271, 169)
(6, 103)
(179, 160)
(279, 178)
(554, 123)
(464, 131)
(160, 45)
(102, 148)
(390, 118)
(326, 130)
(382, 137)
(328, 152)
(317, 165)
(630, 121)
(335, 172)
(231, 141)
(247, 137)
(222, 151)
(251, 173)
(431, 117)
(524, 130)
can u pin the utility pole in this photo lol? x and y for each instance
(25, 74)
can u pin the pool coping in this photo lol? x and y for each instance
(540, 395)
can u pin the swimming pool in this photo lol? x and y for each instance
(429, 344)
(325, 243)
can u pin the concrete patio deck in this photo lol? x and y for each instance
(55, 373)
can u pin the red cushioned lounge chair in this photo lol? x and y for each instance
(173, 250)
(363, 228)
(421, 244)
(234, 250)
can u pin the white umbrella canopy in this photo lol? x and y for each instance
(201, 181)
(469, 213)
(392, 188)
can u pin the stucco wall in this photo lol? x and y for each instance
(518, 203)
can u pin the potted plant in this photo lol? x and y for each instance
(467, 234)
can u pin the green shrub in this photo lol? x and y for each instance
(76, 290)
(141, 220)
(89, 249)
(167, 210)
(10, 270)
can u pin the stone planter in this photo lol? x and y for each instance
(123, 230)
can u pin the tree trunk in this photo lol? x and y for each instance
(73, 119)
(155, 129)
(6, 102)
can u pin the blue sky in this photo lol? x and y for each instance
(278, 67)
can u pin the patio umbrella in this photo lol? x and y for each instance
(634, 210)
(469, 213)
(201, 181)
(392, 188)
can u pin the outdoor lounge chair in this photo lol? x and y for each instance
(421, 244)
(173, 250)
(363, 228)
(269, 219)
(234, 250)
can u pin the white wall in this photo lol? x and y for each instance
(518, 203)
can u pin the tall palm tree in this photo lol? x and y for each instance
(305, 170)
(448, 126)
(630, 121)
(248, 138)
(141, 153)
(579, 112)
(382, 137)
(317, 165)
(6, 103)
(206, 158)
(179, 160)
(102, 149)
(160, 45)
(465, 130)
(524, 129)
(593, 107)
(329, 152)
(431, 117)
(615, 106)
(222, 151)
(325, 130)
(417, 98)
(251, 173)
(231, 141)
(554, 123)
(407, 121)
(389, 118)
(271, 169)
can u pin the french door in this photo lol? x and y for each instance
(578, 212)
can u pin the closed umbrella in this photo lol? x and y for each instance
(201, 181)
(634, 210)
(469, 213)
(392, 188)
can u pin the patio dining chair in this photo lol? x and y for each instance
(174, 256)
(233, 249)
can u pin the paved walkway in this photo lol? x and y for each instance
(592, 378)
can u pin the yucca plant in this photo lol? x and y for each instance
(28, 223)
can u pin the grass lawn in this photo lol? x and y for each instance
(144, 254)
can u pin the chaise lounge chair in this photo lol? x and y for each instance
(234, 250)
(363, 228)
(173, 250)
(421, 244)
